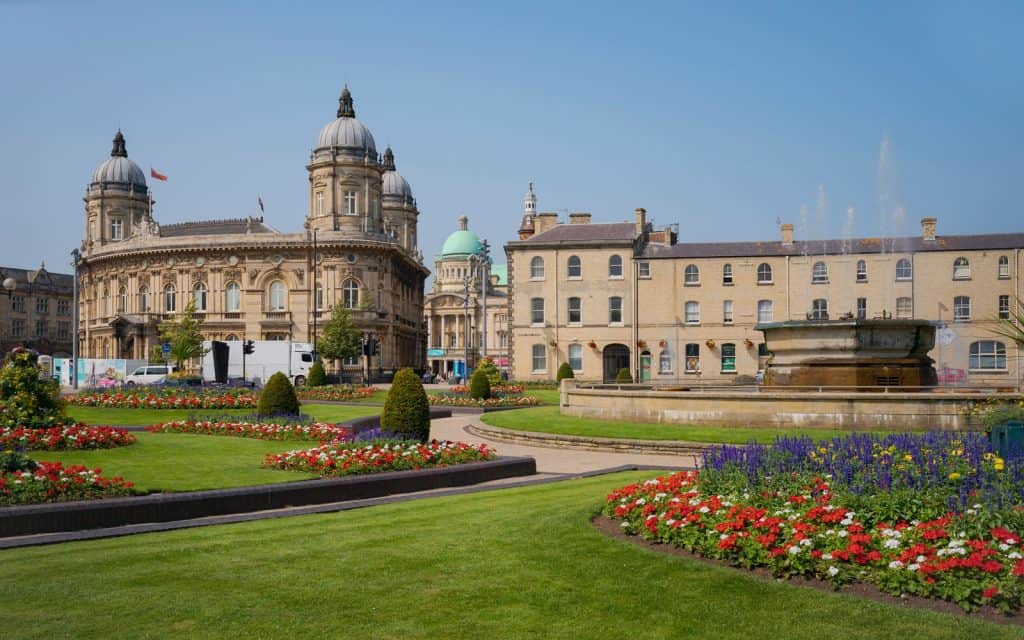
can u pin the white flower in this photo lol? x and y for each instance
(891, 544)
(843, 534)
(723, 536)
(624, 525)
(920, 558)
(794, 550)
(895, 564)
(826, 556)
(1013, 555)
(806, 542)
(833, 571)
(847, 521)
(704, 509)
(1004, 547)
(913, 567)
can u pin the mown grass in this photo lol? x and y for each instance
(520, 563)
(186, 462)
(144, 417)
(549, 420)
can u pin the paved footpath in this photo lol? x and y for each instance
(552, 459)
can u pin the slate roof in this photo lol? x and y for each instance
(600, 232)
(834, 247)
(38, 280)
(214, 227)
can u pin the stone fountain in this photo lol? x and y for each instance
(851, 353)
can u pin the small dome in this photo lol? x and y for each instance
(118, 169)
(462, 242)
(345, 131)
(393, 184)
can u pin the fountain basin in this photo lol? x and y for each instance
(859, 354)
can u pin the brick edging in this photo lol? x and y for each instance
(588, 443)
(167, 507)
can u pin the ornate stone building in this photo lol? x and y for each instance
(37, 312)
(606, 296)
(454, 309)
(249, 281)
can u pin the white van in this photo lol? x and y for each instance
(149, 374)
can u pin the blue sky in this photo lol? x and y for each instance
(722, 118)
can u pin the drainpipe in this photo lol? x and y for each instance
(635, 320)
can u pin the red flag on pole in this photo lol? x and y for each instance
(159, 176)
(261, 203)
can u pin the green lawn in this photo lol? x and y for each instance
(145, 417)
(549, 420)
(185, 462)
(519, 563)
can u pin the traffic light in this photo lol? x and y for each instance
(248, 347)
(375, 347)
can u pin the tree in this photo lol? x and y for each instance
(317, 377)
(407, 410)
(278, 397)
(479, 385)
(1013, 327)
(487, 366)
(564, 371)
(341, 337)
(26, 400)
(184, 336)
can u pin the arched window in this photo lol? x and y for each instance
(692, 312)
(575, 311)
(819, 309)
(862, 271)
(987, 354)
(728, 358)
(665, 362)
(819, 273)
(199, 296)
(122, 300)
(615, 310)
(962, 309)
(903, 269)
(537, 268)
(143, 299)
(576, 357)
(615, 267)
(961, 269)
(107, 304)
(575, 269)
(726, 274)
(764, 273)
(765, 311)
(232, 297)
(540, 358)
(170, 298)
(278, 294)
(691, 275)
(1004, 267)
(350, 294)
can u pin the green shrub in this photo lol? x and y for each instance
(493, 375)
(278, 397)
(27, 400)
(479, 385)
(1001, 414)
(564, 371)
(317, 376)
(11, 461)
(624, 376)
(407, 411)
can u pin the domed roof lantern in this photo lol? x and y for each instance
(345, 108)
(389, 159)
(119, 150)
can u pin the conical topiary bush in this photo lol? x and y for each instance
(479, 385)
(278, 397)
(407, 411)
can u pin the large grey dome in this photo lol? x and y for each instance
(392, 183)
(345, 131)
(118, 169)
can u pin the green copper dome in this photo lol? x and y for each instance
(461, 242)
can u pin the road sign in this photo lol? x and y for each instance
(166, 348)
(945, 336)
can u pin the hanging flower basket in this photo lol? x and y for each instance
(748, 342)
(642, 344)
(709, 343)
(592, 344)
(661, 344)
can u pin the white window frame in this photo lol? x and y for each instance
(819, 273)
(351, 206)
(537, 268)
(116, 229)
(996, 352)
(277, 296)
(539, 356)
(122, 300)
(819, 309)
(144, 299)
(232, 297)
(1004, 267)
(199, 296)
(614, 309)
(762, 306)
(319, 203)
(644, 270)
(578, 310)
(907, 268)
(170, 299)
(962, 269)
(574, 264)
(691, 363)
(764, 269)
(727, 312)
(727, 277)
(575, 361)
(962, 309)
(862, 271)
(615, 264)
(908, 307)
(691, 276)
(350, 294)
(537, 311)
(728, 346)
(691, 312)
(665, 362)
(1004, 307)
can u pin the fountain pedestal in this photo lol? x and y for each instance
(863, 354)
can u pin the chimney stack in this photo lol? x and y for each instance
(641, 220)
(787, 234)
(928, 228)
(579, 218)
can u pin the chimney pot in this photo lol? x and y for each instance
(928, 228)
(579, 218)
(787, 233)
(641, 220)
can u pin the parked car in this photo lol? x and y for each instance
(149, 374)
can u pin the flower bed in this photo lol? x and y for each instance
(498, 389)
(933, 515)
(465, 401)
(319, 432)
(75, 436)
(52, 482)
(165, 399)
(334, 392)
(335, 461)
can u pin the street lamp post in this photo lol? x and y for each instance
(485, 250)
(76, 256)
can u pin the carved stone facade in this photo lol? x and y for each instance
(248, 280)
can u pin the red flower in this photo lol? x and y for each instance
(991, 592)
